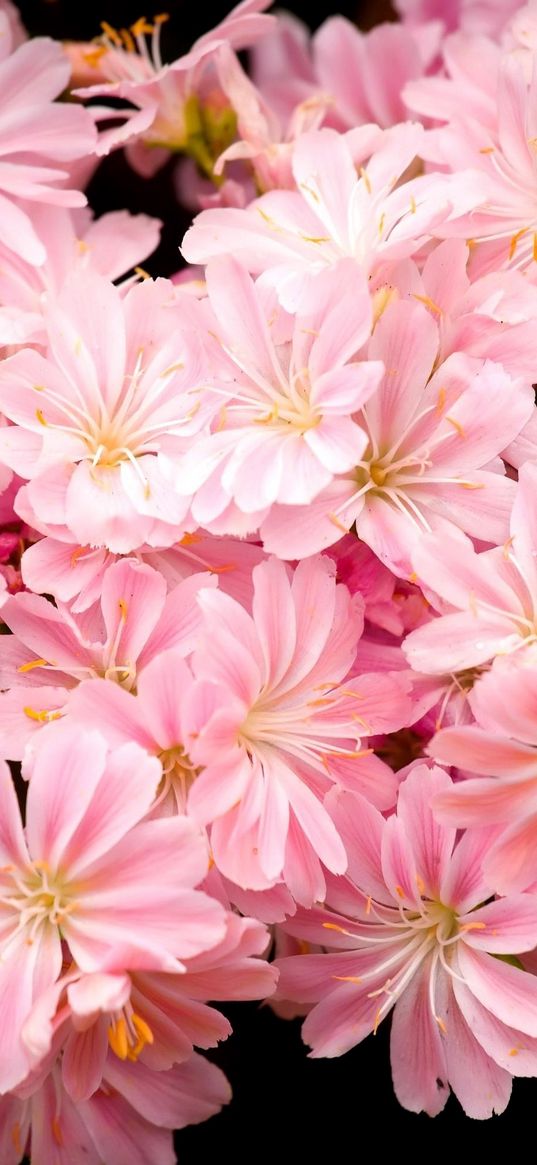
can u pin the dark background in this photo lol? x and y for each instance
(285, 1107)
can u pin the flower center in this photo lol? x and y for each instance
(178, 774)
(37, 897)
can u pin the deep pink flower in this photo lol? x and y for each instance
(128, 1121)
(278, 721)
(409, 928)
(491, 597)
(51, 650)
(502, 750)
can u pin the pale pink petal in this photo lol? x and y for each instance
(510, 994)
(417, 1052)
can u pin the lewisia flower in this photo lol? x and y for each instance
(90, 873)
(51, 650)
(111, 245)
(433, 437)
(275, 720)
(286, 424)
(414, 930)
(127, 1121)
(502, 750)
(334, 213)
(37, 137)
(175, 106)
(96, 425)
(491, 596)
(493, 137)
(153, 1018)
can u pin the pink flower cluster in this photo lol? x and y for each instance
(268, 559)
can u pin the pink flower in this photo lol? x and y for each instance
(111, 245)
(429, 462)
(175, 106)
(97, 425)
(276, 725)
(502, 751)
(265, 141)
(333, 213)
(484, 16)
(126, 1122)
(287, 424)
(74, 574)
(411, 929)
(90, 872)
(148, 1017)
(492, 137)
(491, 596)
(492, 317)
(52, 650)
(37, 137)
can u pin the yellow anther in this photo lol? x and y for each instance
(16, 1139)
(514, 241)
(506, 547)
(142, 1029)
(142, 273)
(127, 40)
(368, 905)
(382, 221)
(76, 554)
(428, 303)
(420, 884)
(473, 926)
(177, 367)
(309, 190)
(141, 27)
(40, 417)
(456, 425)
(472, 484)
(189, 539)
(365, 178)
(534, 249)
(24, 667)
(336, 522)
(334, 926)
(42, 717)
(487, 150)
(93, 56)
(513, 1051)
(112, 34)
(56, 1131)
(413, 578)
(222, 420)
(223, 569)
(123, 606)
(315, 239)
(441, 1025)
(378, 1018)
(161, 18)
(399, 891)
(347, 978)
(117, 1038)
(413, 207)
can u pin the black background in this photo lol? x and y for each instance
(286, 1106)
